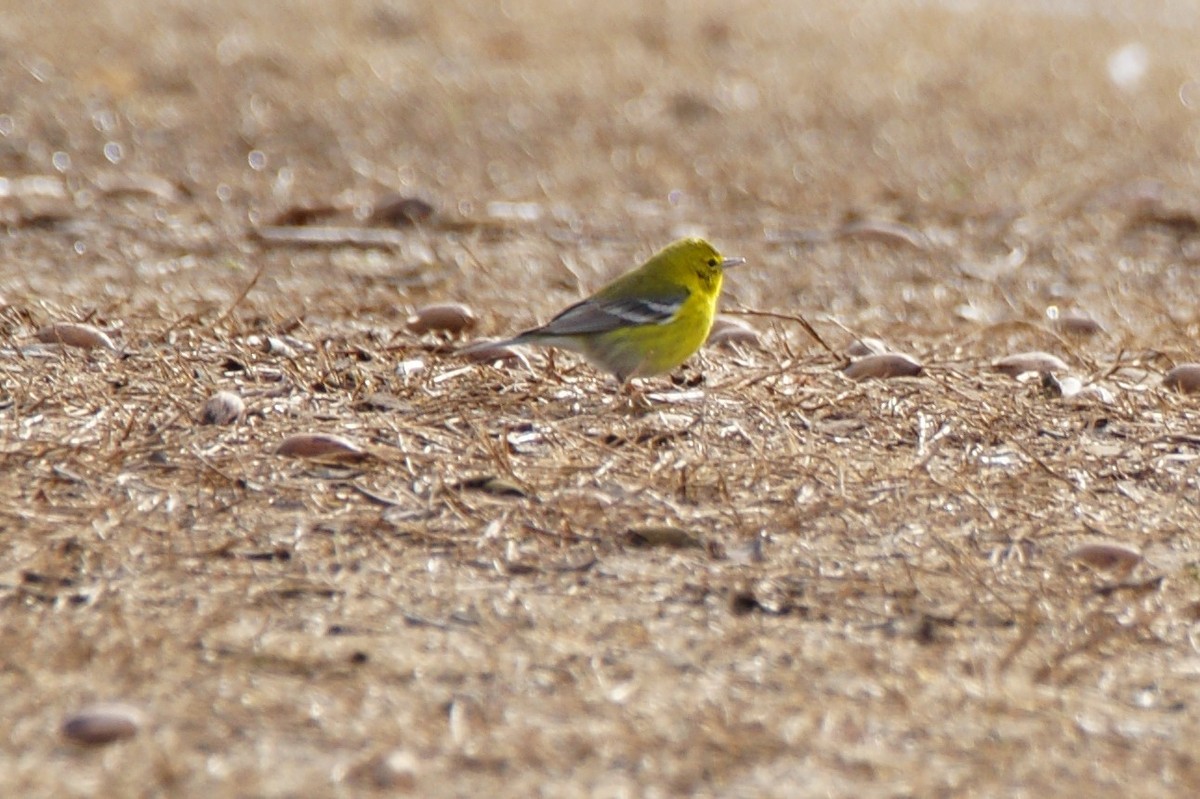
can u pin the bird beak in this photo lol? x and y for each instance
(728, 262)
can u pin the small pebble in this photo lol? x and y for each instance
(396, 770)
(277, 346)
(224, 407)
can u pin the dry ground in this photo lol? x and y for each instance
(879, 601)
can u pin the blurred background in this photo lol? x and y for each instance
(1030, 145)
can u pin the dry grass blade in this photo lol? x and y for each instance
(229, 309)
(797, 318)
(884, 231)
(331, 236)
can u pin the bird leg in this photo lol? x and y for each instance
(633, 396)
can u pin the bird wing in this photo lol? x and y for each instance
(602, 315)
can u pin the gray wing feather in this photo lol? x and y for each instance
(593, 316)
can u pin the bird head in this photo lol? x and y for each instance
(700, 258)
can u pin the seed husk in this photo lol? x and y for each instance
(883, 366)
(1103, 556)
(399, 210)
(1184, 378)
(1074, 323)
(103, 723)
(317, 445)
(496, 486)
(726, 331)
(75, 334)
(663, 536)
(450, 317)
(480, 352)
(1024, 362)
(861, 347)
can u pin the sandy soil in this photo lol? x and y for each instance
(776, 580)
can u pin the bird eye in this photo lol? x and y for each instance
(712, 261)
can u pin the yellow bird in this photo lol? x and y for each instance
(645, 322)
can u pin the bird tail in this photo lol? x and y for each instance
(489, 344)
